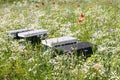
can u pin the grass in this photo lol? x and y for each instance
(20, 60)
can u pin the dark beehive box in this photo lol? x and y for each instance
(83, 48)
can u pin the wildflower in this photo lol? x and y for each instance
(80, 21)
(30, 69)
(34, 72)
(82, 16)
(53, 36)
(13, 58)
(43, 3)
(90, 8)
(37, 6)
(60, 3)
(97, 30)
(92, 37)
(111, 30)
(72, 3)
(78, 5)
(2, 40)
(31, 60)
(53, 3)
(75, 71)
(110, 2)
(21, 48)
(97, 66)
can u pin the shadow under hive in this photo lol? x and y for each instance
(34, 36)
(36, 39)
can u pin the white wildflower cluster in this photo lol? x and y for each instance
(13, 58)
(32, 69)
(47, 52)
(31, 60)
(114, 76)
(21, 48)
(97, 68)
(65, 31)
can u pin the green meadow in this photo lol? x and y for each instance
(95, 21)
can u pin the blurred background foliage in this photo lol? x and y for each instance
(5, 1)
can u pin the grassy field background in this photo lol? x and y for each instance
(96, 21)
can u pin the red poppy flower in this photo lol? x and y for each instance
(82, 16)
(37, 6)
(80, 21)
(43, 3)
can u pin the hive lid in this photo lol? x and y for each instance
(32, 33)
(59, 41)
